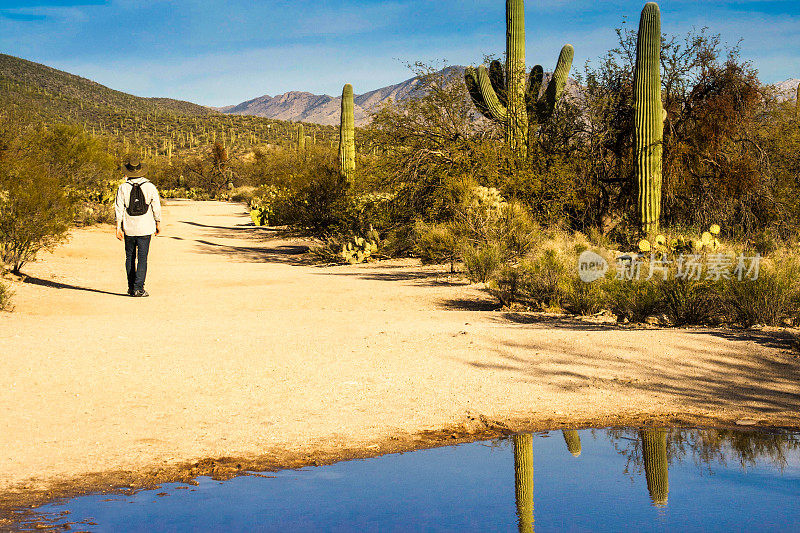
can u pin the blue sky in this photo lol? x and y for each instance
(225, 52)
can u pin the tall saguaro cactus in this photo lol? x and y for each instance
(301, 138)
(649, 117)
(507, 96)
(797, 103)
(523, 480)
(656, 470)
(347, 142)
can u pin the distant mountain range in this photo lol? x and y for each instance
(56, 95)
(298, 106)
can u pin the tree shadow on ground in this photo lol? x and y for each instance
(238, 231)
(266, 244)
(58, 285)
(722, 370)
(470, 304)
(393, 272)
(292, 254)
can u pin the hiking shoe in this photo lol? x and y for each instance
(141, 293)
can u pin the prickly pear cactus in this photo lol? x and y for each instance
(259, 215)
(360, 249)
(347, 143)
(649, 117)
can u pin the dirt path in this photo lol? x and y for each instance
(241, 352)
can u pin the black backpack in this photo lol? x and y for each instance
(137, 205)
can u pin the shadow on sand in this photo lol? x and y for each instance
(59, 285)
(266, 248)
(767, 384)
(293, 254)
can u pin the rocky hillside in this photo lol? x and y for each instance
(787, 90)
(24, 81)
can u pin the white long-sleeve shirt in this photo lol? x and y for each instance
(140, 225)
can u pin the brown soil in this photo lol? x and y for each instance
(245, 357)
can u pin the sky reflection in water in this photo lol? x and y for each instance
(601, 480)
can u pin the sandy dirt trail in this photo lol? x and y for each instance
(243, 352)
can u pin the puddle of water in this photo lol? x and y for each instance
(599, 480)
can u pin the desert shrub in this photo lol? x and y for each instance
(515, 229)
(547, 278)
(436, 244)
(539, 280)
(635, 300)
(583, 298)
(5, 297)
(35, 214)
(242, 194)
(769, 300)
(509, 284)
(399, 241)
(318, 204)
(482, 261)
(688, 301)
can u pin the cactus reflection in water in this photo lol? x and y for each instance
(523, 480)
(656, 470)
(573, 441)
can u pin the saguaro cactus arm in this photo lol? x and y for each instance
(534, 88)
(556, 85)
(498, 78)
(471, 79)
(498, 111)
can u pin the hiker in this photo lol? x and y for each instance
(138, 210)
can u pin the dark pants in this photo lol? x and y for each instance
(136, 248)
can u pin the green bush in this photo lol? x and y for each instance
(688, 301)
(242, 194)
(583, 298)
(547, 279)
(635, 300)
(318, 204)
(768, 300)
(509, 284)
(482, 261)
(5, 297)
(436, 244)
(35, 213)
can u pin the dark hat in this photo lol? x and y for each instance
(134, 168)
